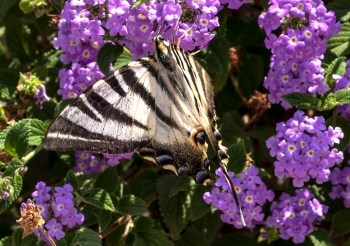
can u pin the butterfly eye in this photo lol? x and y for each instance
(160, 37)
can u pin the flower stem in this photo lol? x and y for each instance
(115, 225)
(26, 158)
(52, 243)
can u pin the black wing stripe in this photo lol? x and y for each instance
(109, 112)
(85, 109)
(113, 82)
(129, 76)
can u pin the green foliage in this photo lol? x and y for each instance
(106, 55)
(340, 222)
(340, 44)
(86, 237)
(341, 9)
(123, 59)
(238, 154)
(8, 83)
(131, 205)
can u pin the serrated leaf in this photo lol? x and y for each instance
(144, 184)
(108, 180)
(61, 105)
(192, 237)
(61, 242)
(198, 206)
(152, 237)
(86, 237)
(131, 205)
(71, 179)
(142, 224)
(341, 8)
(106, 55)
(320, 237)
(345, 126)
(340, 44)
(337, 66)
(100, 199)
(342, 96)
(239, 157)
(14, 164)
(103, 218)
(8, 83)
(37, 131)
(341, 222)
(89, 217)
(300, 100)
(138, 3)
(170, 185)
(14, 191)
(175, 212)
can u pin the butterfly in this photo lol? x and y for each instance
(161, 107)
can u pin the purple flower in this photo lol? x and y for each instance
(41, 193)
(54, 229)
(41, 96)
(302, 147)
(294, 215)
(61, 206)
(252, 194)
(64, 192)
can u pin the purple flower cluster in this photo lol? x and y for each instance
(57, 209)
(252, 194)
(295, 64)
(294, 215)
(302, 148)
(80, 38)
(41, 96)
(340, 180)
(88, 163)
(343, 82)
(4, 188)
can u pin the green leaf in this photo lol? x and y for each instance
(22, 134)
(142, 224)
(108, 180)
(209, 224)
(100, 199)
(341, 8)
(192, 237)
(89, 216)
(37, 131)
(123, 59)
(8, 83)
(144, 184)
(152, 237)
(14, 164)
(138, 3)
(342, 96)
(5, 6)
(337, 66)
(72, 179)
(300, 100)
(345, 126)
(320, 237)
(341, 222)
(19, 40)
(340, 44)
(106, 55)
(198, 206)
(175, 212)
(61, 105)
(239, 157)
(3, 137)
(14, 191)
(103, 218)
(131, 205)
(86, 237)
(170, 185)
(61, 242)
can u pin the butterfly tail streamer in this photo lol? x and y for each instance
(234, 193)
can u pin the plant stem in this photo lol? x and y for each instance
(26, 158)
(115, 225)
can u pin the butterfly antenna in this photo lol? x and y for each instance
(189, 29)
(174, 30)
(234, 193)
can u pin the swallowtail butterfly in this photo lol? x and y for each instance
(160, 107)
